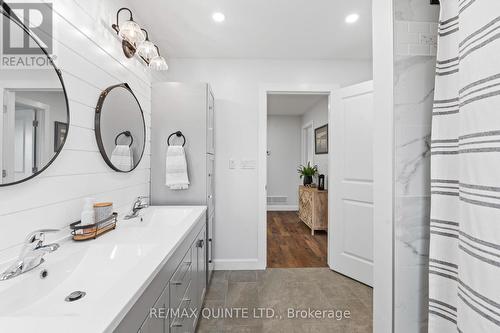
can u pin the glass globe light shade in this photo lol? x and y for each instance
(131, 31)
(158, 63)
(147, 50)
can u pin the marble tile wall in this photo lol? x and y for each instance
(415, 33)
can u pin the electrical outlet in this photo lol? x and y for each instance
(428, 39)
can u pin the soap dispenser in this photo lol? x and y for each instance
(88, 216)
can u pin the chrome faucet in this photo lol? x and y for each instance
(31, 255)
(139, 204)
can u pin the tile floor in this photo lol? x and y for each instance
(281, 289)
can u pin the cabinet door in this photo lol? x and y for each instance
(210, 184)
(211, 124)
(210, 247)
(201, 277)
(155, 322)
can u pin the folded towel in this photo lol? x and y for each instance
(122, 158)
(176, 168)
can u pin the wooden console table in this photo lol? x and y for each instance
(313, 208)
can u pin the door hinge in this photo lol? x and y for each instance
(35, 123)
(4, 173)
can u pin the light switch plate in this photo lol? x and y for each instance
(232, 164)
(248, 164)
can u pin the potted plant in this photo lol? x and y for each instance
(307, 172)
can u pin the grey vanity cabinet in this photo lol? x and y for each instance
(178, 289)
(188, 287)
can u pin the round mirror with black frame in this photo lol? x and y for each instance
(120, 129)
(34, 124)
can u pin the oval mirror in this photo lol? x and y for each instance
(119, 128)
(35, 121)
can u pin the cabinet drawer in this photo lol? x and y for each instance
(181, 280)
(181, 321)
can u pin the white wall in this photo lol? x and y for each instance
(318, 114)
(284, 145)
(91, 59)
(236, 84)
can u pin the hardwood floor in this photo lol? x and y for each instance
(290, 243)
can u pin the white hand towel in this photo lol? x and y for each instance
(122, 158)
(176, 168)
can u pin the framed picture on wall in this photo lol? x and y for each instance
(321, 140)
(60, 130)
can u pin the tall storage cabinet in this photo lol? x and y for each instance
(189, 108)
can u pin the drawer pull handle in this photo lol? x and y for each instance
(186, 300)
(177, 283)
(176, 324)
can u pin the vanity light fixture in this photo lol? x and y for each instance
(352, 18)
(136, 40)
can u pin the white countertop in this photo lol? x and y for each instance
(113, 270)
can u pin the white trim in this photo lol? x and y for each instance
(282, 208)
(236, 264)
(264, 90)
(304, 141)
(383, 166)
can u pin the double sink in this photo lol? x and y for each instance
(112, 272)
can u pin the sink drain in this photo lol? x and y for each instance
(75, 296)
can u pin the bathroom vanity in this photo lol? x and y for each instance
(131, 277)
(172, 301)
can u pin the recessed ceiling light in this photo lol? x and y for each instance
(352, 18)
(218, 17)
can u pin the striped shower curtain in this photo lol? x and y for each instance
(464, 263)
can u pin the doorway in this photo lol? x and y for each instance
(297, 205)
(26, 124)
(350, 222)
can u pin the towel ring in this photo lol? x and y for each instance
(128, 135)
(177, 134)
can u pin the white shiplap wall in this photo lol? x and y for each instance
(90, 57)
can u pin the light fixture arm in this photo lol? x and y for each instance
(146, 32)
(118, 14)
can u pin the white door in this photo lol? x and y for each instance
(351, 183)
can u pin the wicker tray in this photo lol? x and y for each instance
(92, 231)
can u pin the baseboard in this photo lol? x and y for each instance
(237, 265)
(282, 208)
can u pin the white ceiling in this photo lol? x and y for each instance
(292, 104)
(278, 29)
